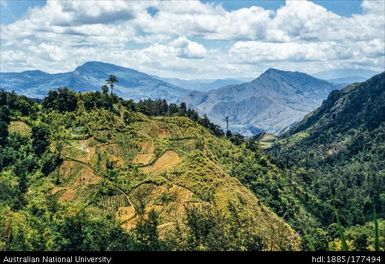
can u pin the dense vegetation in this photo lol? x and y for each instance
(337, 153)
(72, 170)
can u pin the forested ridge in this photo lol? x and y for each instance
(338, 154)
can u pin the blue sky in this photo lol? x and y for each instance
(192, 39)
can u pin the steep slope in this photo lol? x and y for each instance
(271, 103)
(341, 147)
(122, 165)
(90, 77)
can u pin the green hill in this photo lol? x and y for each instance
(94, 172)
(337, 154)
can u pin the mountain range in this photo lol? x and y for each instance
(89, 77)
(203, 85)
(272, 102)
(346, 76)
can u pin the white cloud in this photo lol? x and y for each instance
(373, 6)
(188, 49)
(193, 39)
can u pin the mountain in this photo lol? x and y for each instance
(346, 76)
(90, 77)
(337, 153)
(91, 171)
(203, 85)
(272, 102)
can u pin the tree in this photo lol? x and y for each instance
(62, 100)
(3, 132)
(104, 89)
(183, 108)
(111, 80)
(39, 139)
(146, 233)
(4, 114)
(361, 242)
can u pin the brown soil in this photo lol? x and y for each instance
(68, 195)
(125, 213)
(167, 161)
(87, 176)
(164, 133)
(117, 160)
(88, 153)
(146, 153)
(56, 190)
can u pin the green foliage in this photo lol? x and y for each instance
(50, 161)
(84, 232)
(146, 233)
(376, 234)
(62, 100)
(40, 139)
(3, 132)
(337, 155)
(344, 245)
(89, 135)
(211, 230)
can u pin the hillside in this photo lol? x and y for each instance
(337, 153)
(272, 102)
(89, 77)
(92, 172)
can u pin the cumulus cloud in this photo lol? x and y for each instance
(188, 49)
(194, 39)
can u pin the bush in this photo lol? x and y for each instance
(62, 100)
(39, 139)
(49, 163)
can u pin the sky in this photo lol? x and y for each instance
(193, 39)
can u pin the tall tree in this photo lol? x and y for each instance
(104, 89)
(110, 81)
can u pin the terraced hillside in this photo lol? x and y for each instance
(121, 165)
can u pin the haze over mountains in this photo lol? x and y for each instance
(272, 102)
(89, 77)
(203, 84)
(346, 76)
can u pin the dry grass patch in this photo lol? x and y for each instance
(21, 128)
(167, 161)
(146, 153)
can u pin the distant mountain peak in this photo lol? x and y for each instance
(103, 67)
(90, 76)
(273, 70)
(34, 72)
(291, 76)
